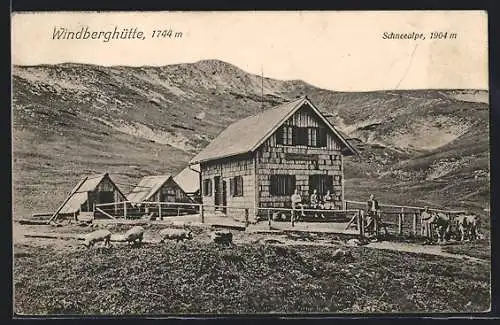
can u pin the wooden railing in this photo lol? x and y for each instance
(127, 209)
(397, 219)
(408, 207)
(408, 217)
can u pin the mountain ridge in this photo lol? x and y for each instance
(217, 60)
(136, 121)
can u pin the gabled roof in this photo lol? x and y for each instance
(147, 187)
(78, 195)
(248, 134)
(188, 179)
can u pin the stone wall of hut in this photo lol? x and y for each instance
(224, 170)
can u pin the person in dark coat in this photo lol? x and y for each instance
(372, 213)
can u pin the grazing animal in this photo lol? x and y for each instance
(340, 253)
(468, 226)
(441, 222)
(222, 237)
(103, 235)
(175, 234)
(134, 235)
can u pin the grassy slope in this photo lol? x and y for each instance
(204, 278)
(57, 138)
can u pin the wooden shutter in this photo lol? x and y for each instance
(279, 135)
(290, 186)
(240, 185)
(273, 186)
(329, 183)
(295, 135)
(231, 186)
(312, 183)
(322, 137)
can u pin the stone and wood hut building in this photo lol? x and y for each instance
(259, 161)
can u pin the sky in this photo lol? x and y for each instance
(335, 50)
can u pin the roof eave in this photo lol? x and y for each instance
(199, 161)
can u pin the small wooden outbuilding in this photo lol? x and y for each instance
(91, 190)
(161, 188)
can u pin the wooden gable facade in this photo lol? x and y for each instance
(162, 188)
(301, 155)
(91, 190)
(301, 151)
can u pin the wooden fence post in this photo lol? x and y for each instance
(269, 218)
(415, 224)
(201, 213)
(360, 223)
(292, 218)
(246, 217)
(125, 209)
(400, 222)
(159, 211)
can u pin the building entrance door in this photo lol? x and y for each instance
(217, 192)
(224, 197)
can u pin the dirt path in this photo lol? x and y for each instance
(22, 234)
(422, 249)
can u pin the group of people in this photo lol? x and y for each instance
(467, 224)
(316, 201)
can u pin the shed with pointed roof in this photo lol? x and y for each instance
(158, 188)
(91, 190)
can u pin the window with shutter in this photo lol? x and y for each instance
(282, 185)
(207, 187)
(321, 183)
(237, 186)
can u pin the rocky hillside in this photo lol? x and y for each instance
(74, 119)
